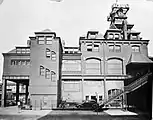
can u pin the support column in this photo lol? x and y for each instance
(17, 92)
(4, 91)
(27, 93)
(104, 69)
(82, 82)
(125, 101)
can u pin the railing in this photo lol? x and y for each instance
(131, 87)
(137, 83)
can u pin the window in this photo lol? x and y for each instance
(53, 76)
(23, 62)
(27, 62)
(92, 36)
(71, 65)
(28, 50)
(13, 62)
(111, 48)
(47, 74)
(18, 50)
(100, 98)
(93, 66)
(89, 47)
(134, 37)
(18, 62)
(42, 70)
(48, 53)
(23, 50)
(116, 36)
(75, 50)
(117, 48)
(111, 36)
(115, 66)
(41, 40)
(114, 48)
(53, 55)
(96, 48)
(49, 40)
(135, 48)
(87, 97)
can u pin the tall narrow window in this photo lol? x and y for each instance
(117, 48)
(41, 40)
(42, 70)
(53, 57)
(111, 48)
(49, 40)
(47, 74)
(53, 76)
(48, 53)
(89, 47)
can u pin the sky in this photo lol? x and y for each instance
(70, 19)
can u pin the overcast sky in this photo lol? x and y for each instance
(70, 19)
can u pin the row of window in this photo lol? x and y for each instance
(113, 36)
(47, 73)
(87, 97)
(20, 62)
(114, 66)
(23, 50)
(45, 40)
(50, 54)
(112, 48)
(94, 47)
(94, 66)
(71, 65)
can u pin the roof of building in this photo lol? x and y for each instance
(12, 51)
(137, 57)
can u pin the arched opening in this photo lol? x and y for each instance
(118, 101)
(115, 66)
(93, 66)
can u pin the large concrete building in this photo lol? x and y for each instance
(103, 67)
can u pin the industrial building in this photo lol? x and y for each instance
(110, 68)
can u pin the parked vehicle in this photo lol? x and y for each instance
(88, 104)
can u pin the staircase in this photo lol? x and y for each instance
(129, 88)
